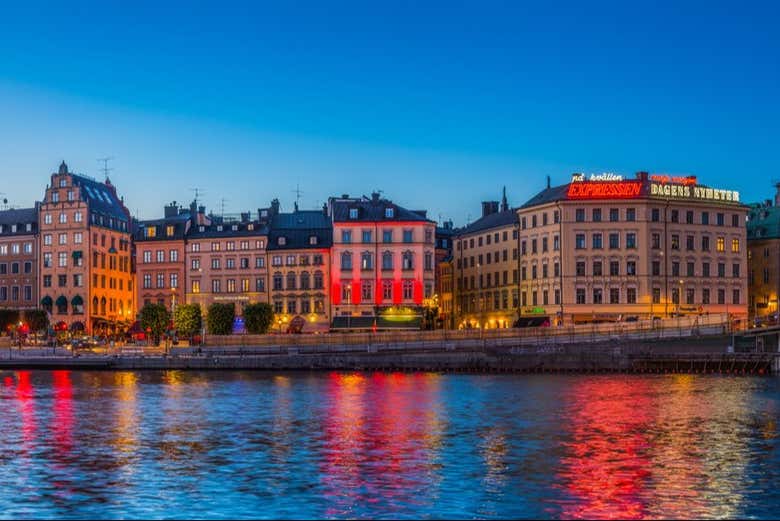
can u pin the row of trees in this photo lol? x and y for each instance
(187, 319)
(35, 319)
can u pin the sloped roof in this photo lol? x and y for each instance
(242, 230)
(372, 210)
(179, 223)
(21, 217)
(548, 195)
(298, 227)
(102, 198)
(488, 222)
(763, 222)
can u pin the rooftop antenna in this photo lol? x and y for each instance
(298, 193)
(105, 168)
(198, 192)
(222, 206)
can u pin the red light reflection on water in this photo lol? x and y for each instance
(606, 466)
(379, 440)
(63, 413)
(25, 398)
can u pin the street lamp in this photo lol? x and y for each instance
(679, 296)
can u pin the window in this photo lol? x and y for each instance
(47, 218)
(734, 245)
(721, 269)
(598, 295)
(675, 269)
(353, 213)
(366, 291)
(614, 268)
(407, 287)
(346, 260)
(721, 244)
(580, 295)
(689, 243)
(735, 220)
(597, 271)
(196, 286)
(174, 278)
(614, 241)
(428, 262)
(259, 262)
(675, 216)
(160, 255)
(215, 263)
(173, 256)
(277, 281)
(214, 246)
(195, 264)
(346, 236)
(614, 214)
(631, 214)
(291, 280)
(389, 213)
(387, 236)
(147, 281)
(407, 236)
(597, 244)
(689, 217)
(387, 260)
(656, 295)
(631, 295)
(366, 261)
(579, 241)
(735, 296)
(705, 244)
(614, 295)
(579, 215)
(78, 217)
(407, 261)
(631, 268)
(580, 269)
(47, 239)
(720, 218)
(705, 269)
(216, 286)
(387, 290)
(705, 218)
(655, 241)
(655, 215)
(366, 236)
(631, 241)
(62, 259)
(721, 296)
(556, 243)
(675, 242)
(596, 215)
(735, 270)
(259, 285)
(161, 280)
(689, 271)
(290, 260)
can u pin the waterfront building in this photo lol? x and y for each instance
(443, 285)
(160, 256)
(19, 258)
(85, 271)
(226, 260)
(763, 236)
(299, 258)
(486, 268)
(605, 248)
(382, 263)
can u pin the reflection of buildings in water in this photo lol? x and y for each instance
(281, 435)
(126, 425)
(381, 440)
(25, 400)
(606, 467)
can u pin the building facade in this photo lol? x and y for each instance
(486, 269)
(443, 286)
(160, 247)
(299, 258)
(226, 262)
(85, 278)
(608, 248)
(382, 263)
(19, 258)
(763, 235)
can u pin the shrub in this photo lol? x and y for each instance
(187, 319)
(258, 318)
(219, 318)
(155, 317)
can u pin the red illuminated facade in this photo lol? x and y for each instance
(382, 257)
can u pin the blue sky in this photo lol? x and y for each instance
(438, 105)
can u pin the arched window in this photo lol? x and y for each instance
(305, 280)
(407, 261)
(291, 280)
(103, 306)
(346, 261)
(387, 260)
(318, 283)
(94, 305)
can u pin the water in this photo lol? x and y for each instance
(299, 445)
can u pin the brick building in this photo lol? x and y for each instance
(19, 258)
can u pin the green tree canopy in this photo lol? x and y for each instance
(258, 318)
(155, 317)
(37, 319)
(219, 318)
(8, 317)
(187, 319)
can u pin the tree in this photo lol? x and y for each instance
(155, 317)
(219, 318)
(187, 319)
(8, 317)
(37, 319)
(258, 318)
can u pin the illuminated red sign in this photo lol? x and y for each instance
(604, 190)
(680, 180)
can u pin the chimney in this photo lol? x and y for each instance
(171, 210)
(325, 209)
(642, 176)
(548, 182)
(489, 207)
(375, 197)
(274, 207)
(244, 217)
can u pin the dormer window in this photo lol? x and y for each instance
(282, 241)
(13, 228)
(312, 239)
(250, 227)
(234, 227)
(219, 228)
(151, 231)
(263, 213)
(169, 231)
(201, 228)
(55, 197)
(63, 182)
(353, 213)
(389, 213)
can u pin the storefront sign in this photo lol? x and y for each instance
(533, 311)
(604, 190)
(693, 192)
(680, 180)
(605, 176)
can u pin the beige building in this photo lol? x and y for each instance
(763, 230)
(485, 261)
(608, 248)
(19, 258)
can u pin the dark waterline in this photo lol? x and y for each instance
(374, 445)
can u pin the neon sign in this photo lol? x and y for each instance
(605, 176)
(680, 180)
(605, 190)
(693, 192)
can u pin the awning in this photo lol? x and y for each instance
(77, 326)
(77, 301)
(46, 301)
(62, 301)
